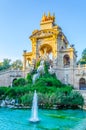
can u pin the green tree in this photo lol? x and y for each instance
(83, 58)
(17, 64)
(84, 54)
(5, 64)
(1, 65)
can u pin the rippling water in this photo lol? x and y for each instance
(14, 119)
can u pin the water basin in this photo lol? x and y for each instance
(17, 119)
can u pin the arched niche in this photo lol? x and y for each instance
(82, 84)
(46, 51)
(13, 81)
(66, 60)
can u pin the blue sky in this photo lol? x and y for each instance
(18, 18)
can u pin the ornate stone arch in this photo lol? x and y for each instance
(82, 84)
(45, 50)
(66, 60)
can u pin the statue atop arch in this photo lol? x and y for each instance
(48, 17)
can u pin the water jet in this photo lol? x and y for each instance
(34, 113)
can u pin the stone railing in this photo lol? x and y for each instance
(81, 66)
(9, 70)
(4, 71)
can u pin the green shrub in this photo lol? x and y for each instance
(2, 92)
(48, 80)
(46, 67)
(11, 93)
(29, 78)
(37, 64)
(74, 99)
(66, 89)
(19, 82)
(27, 99)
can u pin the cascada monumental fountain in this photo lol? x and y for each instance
(34, 112)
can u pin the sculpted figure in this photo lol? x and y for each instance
(40, 70)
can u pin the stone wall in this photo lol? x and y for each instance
(7, 77)
(71, 75)
(68, 75)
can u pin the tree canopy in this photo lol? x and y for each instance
(6, 64)
(83, 57)
(17, 64)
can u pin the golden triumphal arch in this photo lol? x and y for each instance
(45, 41)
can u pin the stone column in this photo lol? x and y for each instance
(24, 59)
(34, 47)
(54, 46)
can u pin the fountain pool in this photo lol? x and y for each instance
(15, 119)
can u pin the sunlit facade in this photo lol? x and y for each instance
(50, 43)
